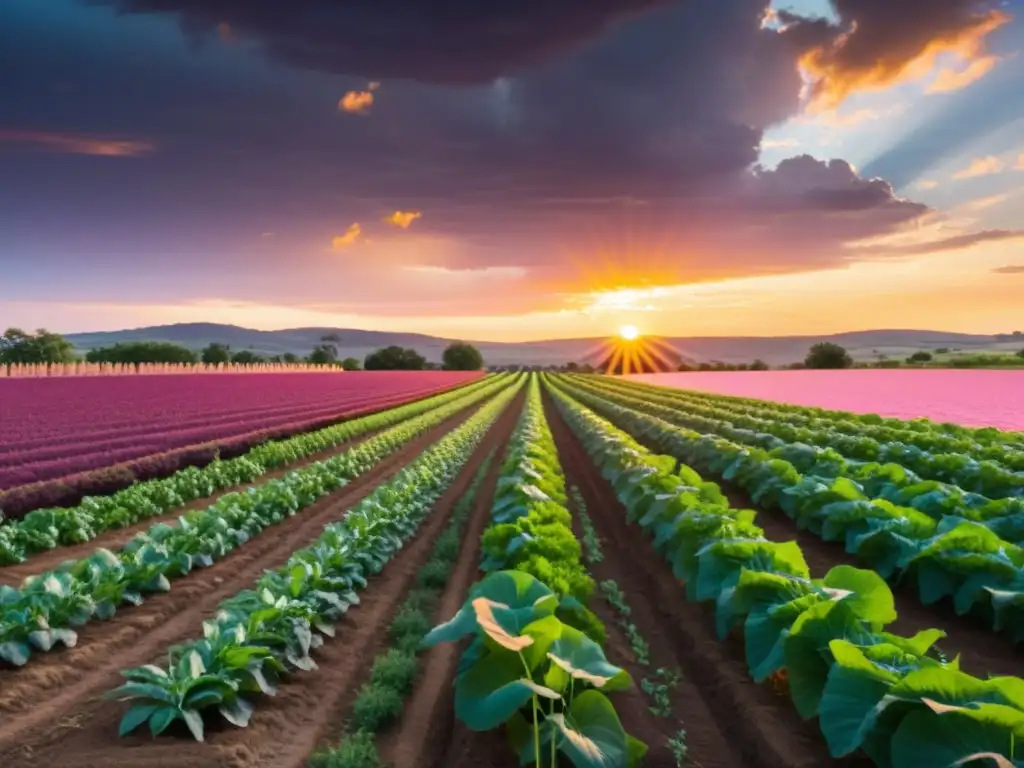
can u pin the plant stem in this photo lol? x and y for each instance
(536, 706)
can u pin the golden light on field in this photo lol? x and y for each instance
(629, 333)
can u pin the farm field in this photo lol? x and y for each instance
(976, 398)
(57, 427)
(537, 567)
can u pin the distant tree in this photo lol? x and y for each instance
(572, 367)
(461, 356)
(17, 346)
(246, 357)
(942, 350)
(825, 354)
(394, 358)
(759, 365)
(351, 364)
(586, 368)
(137, 352)
(323, 354)
(1021, 353)
(290, 357)
(215, 353)
(920, 357)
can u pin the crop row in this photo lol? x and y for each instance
(79, 451)
(47, 529)
(955, 558)
(44, 612)
(871, 690)
(535, 646)
(995, 478)
(260, 634)
(922, 432)
(380, 702)
(942, 502)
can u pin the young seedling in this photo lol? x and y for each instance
(677, 745)
(659, 688)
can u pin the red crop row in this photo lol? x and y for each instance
(55, 428)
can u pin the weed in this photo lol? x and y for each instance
(356, 750)
(395, 669)
(375, 707)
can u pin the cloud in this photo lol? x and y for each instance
(878, 44)
(927, 184)
(955, 243)
(341, 242)
(403, 219)
(1020, 163)
(981, 203)
(981, 166)
(356, 102)
(1011, 269)
(779, 143)
(949, 80)
(77, 144)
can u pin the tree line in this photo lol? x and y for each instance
(43, 347)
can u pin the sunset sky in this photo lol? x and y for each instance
(513, 170)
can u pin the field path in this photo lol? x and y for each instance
(52, 706)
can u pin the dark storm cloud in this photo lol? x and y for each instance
(446, 41)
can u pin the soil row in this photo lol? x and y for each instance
(52, 710)
(729, 720)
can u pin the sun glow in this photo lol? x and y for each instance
(629, 332)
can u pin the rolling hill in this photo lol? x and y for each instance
(777, 350)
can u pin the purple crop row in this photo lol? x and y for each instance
(33, 411)
(108, 478)
(29, 460)
(84, 449)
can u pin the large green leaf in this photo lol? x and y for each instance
(583, 659)
(492, 690)
(868, 594)
(947, 739)
(591, 734)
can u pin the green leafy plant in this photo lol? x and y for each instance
(543, 679)
(277, 625)
(870, 689)
(376, 706)
(679, 749)
(659, 688)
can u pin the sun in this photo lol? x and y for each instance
(629, 332)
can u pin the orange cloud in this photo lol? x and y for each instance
(72, 144)
(1020, 163)
(949, 80)
(980, 166)
(403, 219)
(358, 102)
(841, 67)
(779, 143)
(340, 242)
(927, 184)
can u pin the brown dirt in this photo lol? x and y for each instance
(52, 707)
(428, 730)
(729, 720)
(115, 538)
(982, 650)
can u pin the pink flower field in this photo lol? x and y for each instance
(51, 428)
(973, 398)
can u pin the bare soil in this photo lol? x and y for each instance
(52, 710)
